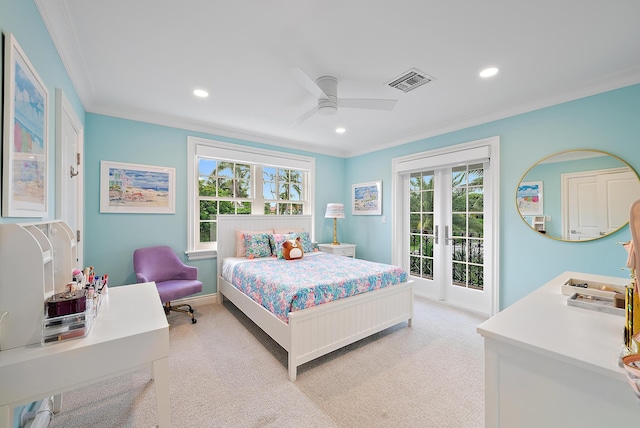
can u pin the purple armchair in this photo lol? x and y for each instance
(173, 278)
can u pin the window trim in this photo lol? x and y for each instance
(197, 146)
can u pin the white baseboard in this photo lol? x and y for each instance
(197, 300)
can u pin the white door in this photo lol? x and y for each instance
(69, 188)
(445, 230)
(598, 202)
(446, 235)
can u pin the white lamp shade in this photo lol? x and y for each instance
(334, 211)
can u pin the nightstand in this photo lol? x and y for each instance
(347, 250)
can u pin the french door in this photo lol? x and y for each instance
(447, 231)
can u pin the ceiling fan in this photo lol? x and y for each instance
(325, 89)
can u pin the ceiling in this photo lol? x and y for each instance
(142, 59)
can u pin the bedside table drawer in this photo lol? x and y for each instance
(347, 250)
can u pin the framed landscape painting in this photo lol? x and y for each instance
(367, 198)
(25, 137)
(529, 198)
(131, 188)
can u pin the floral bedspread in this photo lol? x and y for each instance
(282, 286)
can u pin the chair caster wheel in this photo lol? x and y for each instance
(193, 321)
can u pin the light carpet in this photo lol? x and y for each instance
(226, 372)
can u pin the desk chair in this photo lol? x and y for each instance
(174, 279)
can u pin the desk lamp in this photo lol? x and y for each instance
(334, 211)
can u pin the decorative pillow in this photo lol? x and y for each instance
(292, 249)
(306, 241)
(277, 239)
(241, 248)
(258, 245)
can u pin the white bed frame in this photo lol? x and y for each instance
(316, 331)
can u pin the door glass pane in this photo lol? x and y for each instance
(467, 223)
(421, 229)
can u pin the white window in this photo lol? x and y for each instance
(226, 178)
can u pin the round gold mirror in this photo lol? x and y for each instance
(577, 195)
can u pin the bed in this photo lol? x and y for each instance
(318, 330)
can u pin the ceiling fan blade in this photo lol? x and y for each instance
(308, 83)
(304, 117)
(367, 103)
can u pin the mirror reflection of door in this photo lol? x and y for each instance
(587, 194)
(597, 202)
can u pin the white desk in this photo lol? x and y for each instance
(548, 364)
(130, 331)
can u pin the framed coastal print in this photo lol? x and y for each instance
(367, 198)
(25, 137)
(131, 188)
(529, 198)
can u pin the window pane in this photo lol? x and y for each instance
(414, 182)
(270, 208)
(476, 252)
(427, 180)
(476, 277)
(459, 275)
(225, 169)
(427, 268)
(243, 189)
(476, 226)
(243, 171)
(208, 210)
(414, 223)
(208, 231)
(296, 209)
(476, 199)
(459, 250)
(225, 187)
(414, 244)
(459, 224)
(414, 266)
(295, 192)
(226, 207)
(243, 207)
(206, 177)
(283, 192)
(427, 224)
(459, 200)
(427, 201)
(427, 246)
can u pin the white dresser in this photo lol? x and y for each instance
(548, 364)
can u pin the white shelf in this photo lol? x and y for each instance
(36, 262)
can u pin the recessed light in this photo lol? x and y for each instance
(488, 72)
(340, 130)
(200, 93)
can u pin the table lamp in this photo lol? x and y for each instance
(334, 211)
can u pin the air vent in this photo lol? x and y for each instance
(410, 80)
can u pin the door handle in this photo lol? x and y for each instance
(446, 235)
(435, 240)
(73, 172)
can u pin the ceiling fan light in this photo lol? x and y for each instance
(327, 109)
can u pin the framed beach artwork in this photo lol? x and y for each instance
(25, 139)
(131, 188)
(367, 198)
(529, 198)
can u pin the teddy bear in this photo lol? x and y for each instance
(292, 249)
